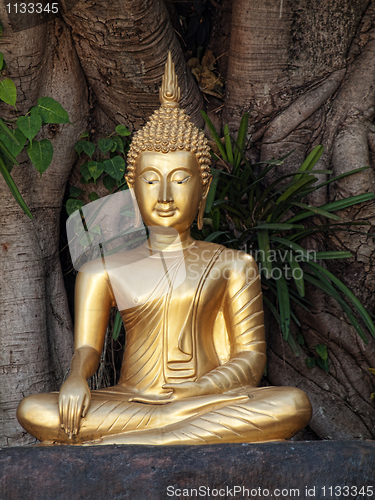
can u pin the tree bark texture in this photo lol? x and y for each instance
(111, 55)
(303, 69)
(307, 70)
(122, 47)
(35, 325)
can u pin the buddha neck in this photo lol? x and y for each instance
(169, 241)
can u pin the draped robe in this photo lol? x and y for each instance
(207, 328)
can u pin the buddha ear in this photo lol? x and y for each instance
(202, 205)
(137, 213)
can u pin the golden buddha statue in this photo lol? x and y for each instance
(195, 350)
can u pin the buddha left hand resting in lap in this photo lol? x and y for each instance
(195, 348)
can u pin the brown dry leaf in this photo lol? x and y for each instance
(209, 82)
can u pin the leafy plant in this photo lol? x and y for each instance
(14, 139)
(268, 220)
(104, 160)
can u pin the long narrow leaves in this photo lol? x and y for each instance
(13, 189)
(267, 218)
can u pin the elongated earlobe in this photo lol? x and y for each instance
(137, 213)
(202, 204)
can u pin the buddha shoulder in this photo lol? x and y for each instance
(114, 261)
(227, 258)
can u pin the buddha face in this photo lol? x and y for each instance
(168, 188)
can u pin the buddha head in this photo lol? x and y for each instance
(169, 163)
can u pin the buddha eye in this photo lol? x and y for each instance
(150, 181)
(181, 181)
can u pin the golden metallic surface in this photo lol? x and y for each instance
(193, 315)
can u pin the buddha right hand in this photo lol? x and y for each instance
(74, 401)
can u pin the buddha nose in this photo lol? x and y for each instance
(165, 192)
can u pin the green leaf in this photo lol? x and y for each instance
(72, 205)
(350, 295)
(293, 345)
(214, 235)
(121, 130)
(326, 286)
(306, 254)
(118, 143)
(216, 220)
(51, 111)
(29, 125)
(212, 192)
(297, 274)
(93, 197)
(13, 189)
(5, 130)
(109, 182)
(115, 167)
(311, 211)
(215, 136)
(337, 177)
(284, 305)
(295, 187)
(117, 326)
(322, 350)
(84, 134)
(95, 168)
(323, 363)
(34, 111)
(74, 191)
(241, 140)
(85, 146)
(332, 255)
(8, 92)
(310, 362)
(348, 202)
(85, 172)
(40, 153)
(311, 160)
(1, 60)
(105, 145)
(264, 247)
(7, 154)
(12, 147)
(228, 144)
(300, 339)
(281, 226)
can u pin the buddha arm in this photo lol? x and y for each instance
(243, 313)
(93, 302)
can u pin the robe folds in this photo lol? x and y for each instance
(207, 328)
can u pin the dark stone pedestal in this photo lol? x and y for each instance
(303, 470)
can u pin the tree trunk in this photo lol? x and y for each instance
(306, 71)
(36, 331)
(123, 50)
(116, 64)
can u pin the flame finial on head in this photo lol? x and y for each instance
(169, 92)
(169, 129)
